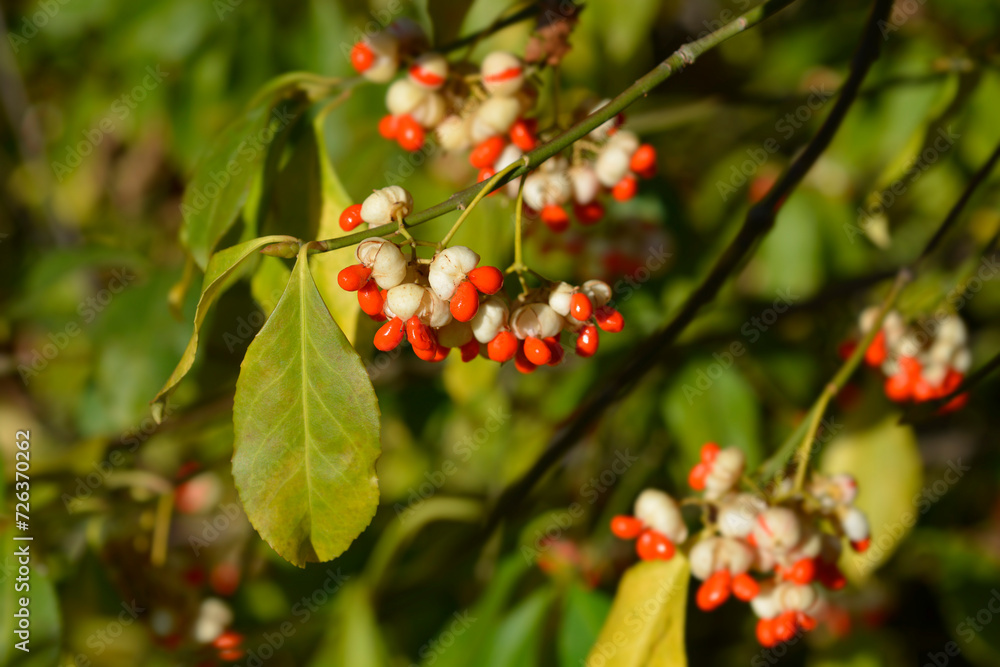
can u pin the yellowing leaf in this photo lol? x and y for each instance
(306, 426)
(887, 466)
(645, 627)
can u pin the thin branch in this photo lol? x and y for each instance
(528, 12)
(684, 56)
(759, 220)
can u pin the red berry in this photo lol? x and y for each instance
(228, 639)
(487, 279)
(389, 335)
(580, 307)
(555, 349)
(802, 571)
(696, 478)
(231, 654)
(745, 587)
(465, 302)
(924, 390)
(409, 133)
(876, 353)
(522, 363)
(485, 174)
(765, 632)
(536, 351)
(609, 319)
(470, 350)
(502, 348)
(652, 545)
(625, 189)
(224, 578)
(714, 591)
(784, 626)
(362, 57)
(899, 387)
(626, 527)
(419, 334)
(425, 76)
(643, 161)
(353, 278)
(388, 127)
(440, 353)
(486, 152)
(522, 134)
(709, 451)
(555, 217)
(805, 621)
(590, 213)
(861, 546)
(586, 341)
(371, 299)
(830, 576)
(351, 217)
(956, 403)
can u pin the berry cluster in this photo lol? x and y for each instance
(450, 301)
(791, 542)
(485, 113)
(922, 361)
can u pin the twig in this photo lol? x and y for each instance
(478, 198)
(758, 222)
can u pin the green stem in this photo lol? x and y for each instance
(478, 198)
(681, 59)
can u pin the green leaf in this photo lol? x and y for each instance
(645, 627)
(268, 283)
(220, 184)
(519, 636)
(889, 500)
(220, 268)
(306, 430)
(583, 615)
(354, 637)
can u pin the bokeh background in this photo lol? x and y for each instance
(107, 106)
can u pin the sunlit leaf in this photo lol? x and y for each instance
(645, 627)
(220, 268)
(306, 430)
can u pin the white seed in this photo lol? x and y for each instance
(405, 300)
(738, 514)
(766, 604)
(962, 361)
(386, 50)
(894, 327)
(724, 472)
(383, 206)
(854, 524)
(535, 190)
(368, 250)
(795, 597)
(847, 486)
(498, 72)
(612, 165)
(390, 266)
(206, 630)
(777, 529)
(536, 320)
(735, 555)
(433, 67)
(489, 319)
(495, 116)
(559, 298)
(933, 372)
(430, 112)
(952, 329)
(585, 184)
(704, 557)
(600, 133)
(510, 154)
(660, 512)
(598, 291)
(403, 97)
(434, 311)
(449, 269)
(454, 334)
(453, 133)
(809, 546)
(625, 141)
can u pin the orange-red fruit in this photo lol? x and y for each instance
(556, 350)
(388, 127)
(924, 390)
(590, 213)
(802, 571)
(409, 133)
(876, 353)
(521, 362)
(609, 319)
(536, 351)
(370, 298)
(485, 174)
(696, 478)
(353, 277)
(626, 527)
(351, 217)
(784, 626)
(709, 451)
(225, 578)
(652, 545)
(830, 576)
(502, 348)
(428, 354)
(805, 621)
(643, 161)
(586, 341)
(555, 217)
(765, 632)
(626, 188)
(487, 279)
(440, 353)
(486, 152)
(418, 334)
(898, 387)
(425, 76)
(714, 591)
(522, 134)
(362, 57)
(228, 639)
(232, 654)
(389, 335)
(745, 587)
(580, 306)
(465, 302)
(861, 546)
(470, 350)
